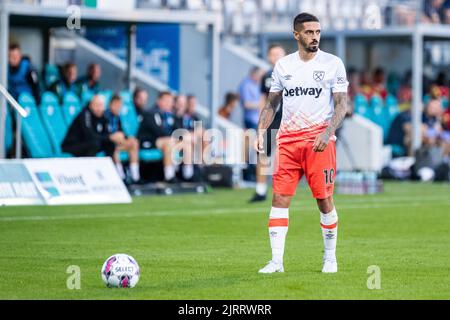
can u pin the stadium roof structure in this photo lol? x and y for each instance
(416, 34)
(50, 17)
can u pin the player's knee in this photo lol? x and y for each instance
(281, 201)
(325, 205)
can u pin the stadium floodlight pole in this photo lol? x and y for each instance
(131, 56)
(417, 107)
(340, 47)
(215, 69)
(4, 34)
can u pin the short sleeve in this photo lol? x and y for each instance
(340, 83)
(276, 85)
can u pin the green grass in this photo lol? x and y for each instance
(211, 247)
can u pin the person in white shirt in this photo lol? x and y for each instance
(313, 87)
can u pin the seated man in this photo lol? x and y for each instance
(67, 83)
(140, 99)
(22, 76)
(156, 130)
(90, 82)
(89, 133)
(123, 143)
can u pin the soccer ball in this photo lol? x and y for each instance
(120, 271)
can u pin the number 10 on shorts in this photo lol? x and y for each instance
(329, 176)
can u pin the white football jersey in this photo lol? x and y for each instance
(308, 89)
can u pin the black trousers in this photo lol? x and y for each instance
(90, 148)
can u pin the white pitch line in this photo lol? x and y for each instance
(206, 212)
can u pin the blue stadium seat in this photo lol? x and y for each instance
(51, 74)
(8, 131)
(376, 104)
(129, 120)
(86, 97)
(362, 106)
(107, 94)
(34, 135)
(150, 155)
(445, 103)
(53, 121)
(71, 107)
(391, 110)
(126, 97)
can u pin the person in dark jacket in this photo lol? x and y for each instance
(127, 144)
(140, 100)
(155, 131)
(67, 83)
(91, 81)
(89, 133)
(22, 77)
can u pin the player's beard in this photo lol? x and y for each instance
(309, 48)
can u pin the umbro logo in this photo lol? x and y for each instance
(341, 80)
(318, 75)
(288, 77)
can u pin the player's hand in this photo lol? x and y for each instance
(117, 138)
(259, 144)
(321, 142)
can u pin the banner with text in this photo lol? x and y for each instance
(61, 181)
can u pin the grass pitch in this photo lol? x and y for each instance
(211, 247)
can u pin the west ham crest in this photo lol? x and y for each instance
(318, 75)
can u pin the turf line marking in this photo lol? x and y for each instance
(204, 212)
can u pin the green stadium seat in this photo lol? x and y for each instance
(71, 107)
(53, 121)
(34, 135)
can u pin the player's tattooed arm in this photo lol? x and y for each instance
(266, 117)
(340, 110)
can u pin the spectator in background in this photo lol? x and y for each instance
(446, 12)
(250, 97)
(123, 143)
(155, 131)
(404, 94)
(180, 107)
(22, 77)
(379, 83)
(432, 11)
(91, 81)
(354, 79)
(231, 101)
(67, 83)
(432, 117)
(365, 84)
(89, 133)
(190, 116)
(140, 100)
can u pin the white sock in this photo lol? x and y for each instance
(261, 188)
(134, 169)
(329, 224)
(278, 227)
(188, 171)
(169, 172)
(120, 171)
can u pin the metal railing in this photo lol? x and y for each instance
(20, 113)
